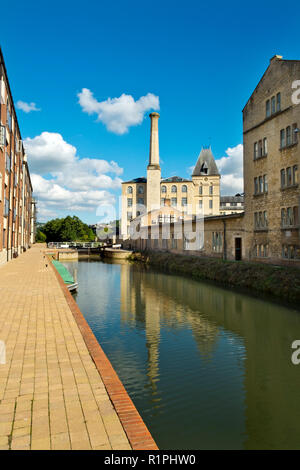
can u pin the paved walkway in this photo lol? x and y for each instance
(51, 393)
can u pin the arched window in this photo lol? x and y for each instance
(184, 188)
(141, 190)
(129, 190)
(164, 189)
(174, 189)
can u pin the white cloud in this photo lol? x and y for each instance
(118, 114)
(64, 182)
(231, 169)
(26, 107)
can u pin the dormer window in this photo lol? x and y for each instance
(204, 168)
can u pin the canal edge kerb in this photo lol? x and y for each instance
(136, 430)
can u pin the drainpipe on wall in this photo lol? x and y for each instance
(10, 212)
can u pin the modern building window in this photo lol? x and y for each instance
(6, 207)
(278, 102)
(268, 108)
(8, 116)
(255, 186)
(129, 202)
(129, 190)
(7, 162)
(295, 174)
(288, 136)
(184, 201)
(261, 185)
(295, 133)
(296, 215)
(261, 251)
(211, 188)
(289, 176)
(283, 219)
(255, 151)
(291, 251)
(273, 105)
(174, 189)
(282, 138)
(174, 201)
(260, 220)
(282, 178)
(2, 136)
(265, 178)
(141, 200)
(265, 147)
(260, 149)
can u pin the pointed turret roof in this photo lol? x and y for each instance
(206, 164)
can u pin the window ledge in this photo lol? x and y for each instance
(287, 147)
(260, 194)
(264, 229)
(260, 158)
(290, 227)
(291, 186)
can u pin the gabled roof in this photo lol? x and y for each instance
(236, 198)
(173, 179)
(136, 180)
(206, 165)
(276, 59)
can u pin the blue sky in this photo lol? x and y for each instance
(200, 60)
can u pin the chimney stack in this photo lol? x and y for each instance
(154, 147)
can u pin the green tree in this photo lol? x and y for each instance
(68, 229)
(40, 237)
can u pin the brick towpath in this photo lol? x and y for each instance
(57, 388)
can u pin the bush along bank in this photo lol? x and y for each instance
(280, 282)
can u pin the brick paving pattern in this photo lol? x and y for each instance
(51, 393)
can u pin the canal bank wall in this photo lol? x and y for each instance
(280, 282)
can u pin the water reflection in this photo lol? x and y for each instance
(206, 367)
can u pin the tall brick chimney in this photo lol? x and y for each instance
(154, 146)
(153, 169)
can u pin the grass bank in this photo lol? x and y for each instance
(280, 282)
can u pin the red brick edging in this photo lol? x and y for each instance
(137, 432)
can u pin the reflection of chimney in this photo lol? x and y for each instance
(154, 147)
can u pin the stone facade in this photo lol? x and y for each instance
(271, 162)
(199, 195)
(268, 229)
(17, 210)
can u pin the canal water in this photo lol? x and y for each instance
(207, 368)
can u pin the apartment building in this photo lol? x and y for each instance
(17, 208)
(271, 122)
